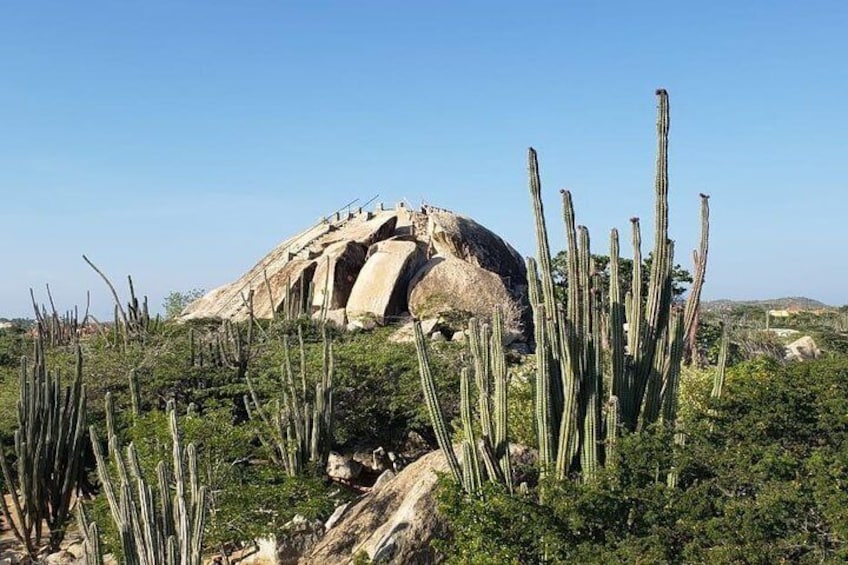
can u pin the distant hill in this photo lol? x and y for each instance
(787, 303)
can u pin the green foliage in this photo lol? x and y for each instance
(759, 481)
(680, 277)
(176, 301)
(377, 389)
(12, 347)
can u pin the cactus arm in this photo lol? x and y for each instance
(436, 415)
(693, 301)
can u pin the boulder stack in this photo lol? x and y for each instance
(373, 267)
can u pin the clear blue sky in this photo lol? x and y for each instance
(181, 141)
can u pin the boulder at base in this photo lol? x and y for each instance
(395, 523)
(447, 284)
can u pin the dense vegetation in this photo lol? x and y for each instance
(760, 480)
(377, 403)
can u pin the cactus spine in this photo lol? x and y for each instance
(153, 528)
(48, 444)
(299, 430)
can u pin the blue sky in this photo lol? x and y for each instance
(181, 141)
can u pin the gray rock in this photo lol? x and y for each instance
(336, 516)
(60, 558)
(297, 537)
(337, 270)
(337, 317)
(406, 333)
(362, 323)
(342, 468)
(379, 460)
(802, 349)
(459, 236)
(447, 285)
(396, 522)
(365, 260)
(382, 480)
(414, 445)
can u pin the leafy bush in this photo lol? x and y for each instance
(758, 482)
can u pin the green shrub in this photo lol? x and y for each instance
(760, 480)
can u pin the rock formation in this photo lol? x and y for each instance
(394, 524)
(802, 349)
(375, 266)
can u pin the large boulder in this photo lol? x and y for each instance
(446, 285)
(396, 523)
(292, 281)
(459, 236)
(380, 289)
(336, 272)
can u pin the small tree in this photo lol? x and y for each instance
(177, 301)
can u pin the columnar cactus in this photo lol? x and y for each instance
(154, 529)
(48, 445)
(642, 335)
(92, 550)
(492, 447)
(299, 430)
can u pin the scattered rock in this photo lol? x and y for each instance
(379, 460)
(438, 336)
(802, 349)
(262, 552)
(373, 460)
(60, 558)
(336, 516)
(342, 468)
(336, 317)
(406, 333)
(362, 323)
(398, 461)
(459, 336)
(414, 445)
(297, 537)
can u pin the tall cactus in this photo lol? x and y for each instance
(48, 445)
(626, 349)
(154, 529)
(299, 430)
(492, 447)
(641, 335)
